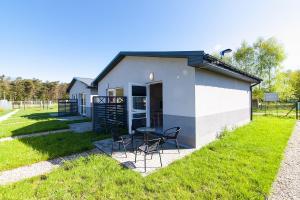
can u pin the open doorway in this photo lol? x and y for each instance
(156, 105)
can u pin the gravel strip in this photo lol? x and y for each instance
(287, 184)
(33, 135)
(40, 168)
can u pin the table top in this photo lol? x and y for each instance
(145, 129)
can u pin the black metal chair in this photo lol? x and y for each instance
(151, 147)
(118, 137)
(170, 134)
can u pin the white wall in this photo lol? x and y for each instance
(78, 88)
(221, 102)
(178, 81)
(177, 77)
(199, 101)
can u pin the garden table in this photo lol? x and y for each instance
(146, 131)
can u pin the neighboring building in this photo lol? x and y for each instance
(81, 89)
(190, 89)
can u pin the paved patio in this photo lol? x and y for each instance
(169, 155)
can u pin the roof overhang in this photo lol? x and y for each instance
(71, 85)
(78, 79)
(197, 59)
(220, 70)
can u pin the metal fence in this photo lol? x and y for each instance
(298, 110)
(32, 104)
(109, 111)
(280, 109)
(67, 107)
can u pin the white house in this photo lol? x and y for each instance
(81, 89)
(190, 89)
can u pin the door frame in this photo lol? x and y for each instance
(129, 106)
(83, 104)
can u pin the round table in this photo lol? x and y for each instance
(146, 131)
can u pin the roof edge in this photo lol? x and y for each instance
(162, 54)
(195, 58)
(78, 79)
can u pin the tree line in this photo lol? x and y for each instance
(264, 59)
(31, 89)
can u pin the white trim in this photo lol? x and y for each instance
(83, 107)
(130, 102)
(111, 90)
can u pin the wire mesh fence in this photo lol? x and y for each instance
(32, 104)
(280, 109)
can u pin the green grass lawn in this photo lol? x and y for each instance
(26, 151)
(241, 165)
(31, 120)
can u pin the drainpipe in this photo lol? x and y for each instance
(251, 86)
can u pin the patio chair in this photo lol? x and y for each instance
(151, 147)
(117, 137)
(170, 134)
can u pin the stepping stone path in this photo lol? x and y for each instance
(40, 168)
(81, 127)
(4, 117)
(287, 185)
(33, 135)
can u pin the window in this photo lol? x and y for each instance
(114, 92)
(139, 97)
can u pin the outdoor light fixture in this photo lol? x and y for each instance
(222, 53)
(151, 76)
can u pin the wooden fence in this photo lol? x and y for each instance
(67, 107)
(109, 111)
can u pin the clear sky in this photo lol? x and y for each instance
(59, 39)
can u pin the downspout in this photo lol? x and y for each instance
(251, 109)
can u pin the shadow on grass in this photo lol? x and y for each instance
(42, 122)
(39, 116)
(40, 126)
(62, 144)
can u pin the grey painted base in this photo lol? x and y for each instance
(187, 136)
(210, 126)
(197, 132)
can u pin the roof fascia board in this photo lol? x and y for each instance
(195, 59)
(167, 54)
(215, 68)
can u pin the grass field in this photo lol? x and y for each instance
(26, 151)
(31, 120)
(241, 165)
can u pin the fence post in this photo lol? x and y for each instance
(297, 110)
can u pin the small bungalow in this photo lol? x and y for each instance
(190, 89)
(81, 89)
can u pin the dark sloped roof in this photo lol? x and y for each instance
(86, 81)
(195, 59)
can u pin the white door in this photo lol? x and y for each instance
(137, 106)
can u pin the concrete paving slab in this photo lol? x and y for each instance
(169, 155)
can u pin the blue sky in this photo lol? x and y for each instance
(56, 40)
